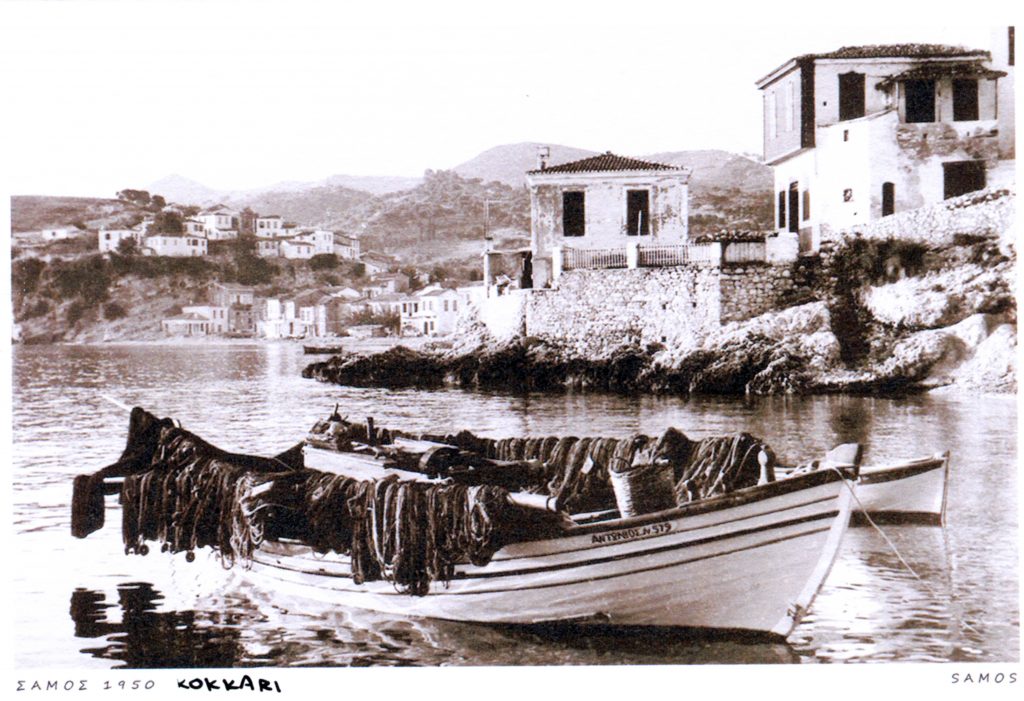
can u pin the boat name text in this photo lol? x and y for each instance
(632, 533)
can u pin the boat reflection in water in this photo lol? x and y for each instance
(270, 630)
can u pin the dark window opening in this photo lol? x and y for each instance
(638, 218)
(807, 205)
(920, 100)
(573, 214)
(965, 100)
(961, 177)
(794, 205)
(782, 210)
(888, 199)
(1009, 37)
(851, 96)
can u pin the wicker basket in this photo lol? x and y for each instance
(643, 489)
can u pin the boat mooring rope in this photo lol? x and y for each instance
(895, 550)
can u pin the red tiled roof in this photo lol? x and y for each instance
(901, 51)
(888, 51)
(606, 161)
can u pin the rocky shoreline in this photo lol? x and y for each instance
(872, 315)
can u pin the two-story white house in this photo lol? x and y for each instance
(268, 226)
(322, 240)
(219, 222)
(866, 131)
(110, 239)
(346, 247)
(604, 205)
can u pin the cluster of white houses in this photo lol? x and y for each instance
(275, 238)
(236, 311)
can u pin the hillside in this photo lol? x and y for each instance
(508, 163)
(35, 212)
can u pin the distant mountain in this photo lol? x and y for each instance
(508, 164)
(374, 184)
(178, 188)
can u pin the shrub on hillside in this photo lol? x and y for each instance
(323, 261)
(113, 311)
(25, 275)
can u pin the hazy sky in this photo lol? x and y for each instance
(105, 95)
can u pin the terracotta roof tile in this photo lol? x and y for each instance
(606, 161)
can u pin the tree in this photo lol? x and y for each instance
(139, 197)
(127, 246)
(167, 223)
(157, 203)
(323, 261)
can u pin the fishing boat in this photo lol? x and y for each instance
(908, 492)
(322, 349)
(744, 560)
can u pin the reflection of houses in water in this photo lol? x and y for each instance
(148, 638)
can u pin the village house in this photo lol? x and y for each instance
(59, 234)
(346, 247)
(193, 227)
(322, 240)
(605, 205)
(268, 248)
(863, 132)
(239, 300)
(376, 263)
(277, 319)
(186, 324)
(430, 312)
(110, 239)
(295, 248)
(268, 227)
(219, 222)
(218, 317)
(175, 245)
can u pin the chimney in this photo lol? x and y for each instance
(543, 153)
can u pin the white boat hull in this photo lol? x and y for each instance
(750, 561)
(910, 492)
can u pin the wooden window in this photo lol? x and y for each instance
(638, 217)
(782, 209)
(920, 105)
(961, 177)
(806, 205)
(794, 206)
(851, 96)
(573, 214)
(888, 199)
(965, 100)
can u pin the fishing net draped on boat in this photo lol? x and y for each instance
(185, 494)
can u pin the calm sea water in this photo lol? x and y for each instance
(83, 603)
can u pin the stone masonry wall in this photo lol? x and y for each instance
(592, 312)
(753, 289)
(982, 213)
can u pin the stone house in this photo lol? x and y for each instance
(863, 132)
(239, 300)
(605, 203)
(375, 263)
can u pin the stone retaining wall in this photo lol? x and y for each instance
(752, 290)
(983, 213)
(592, 312)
